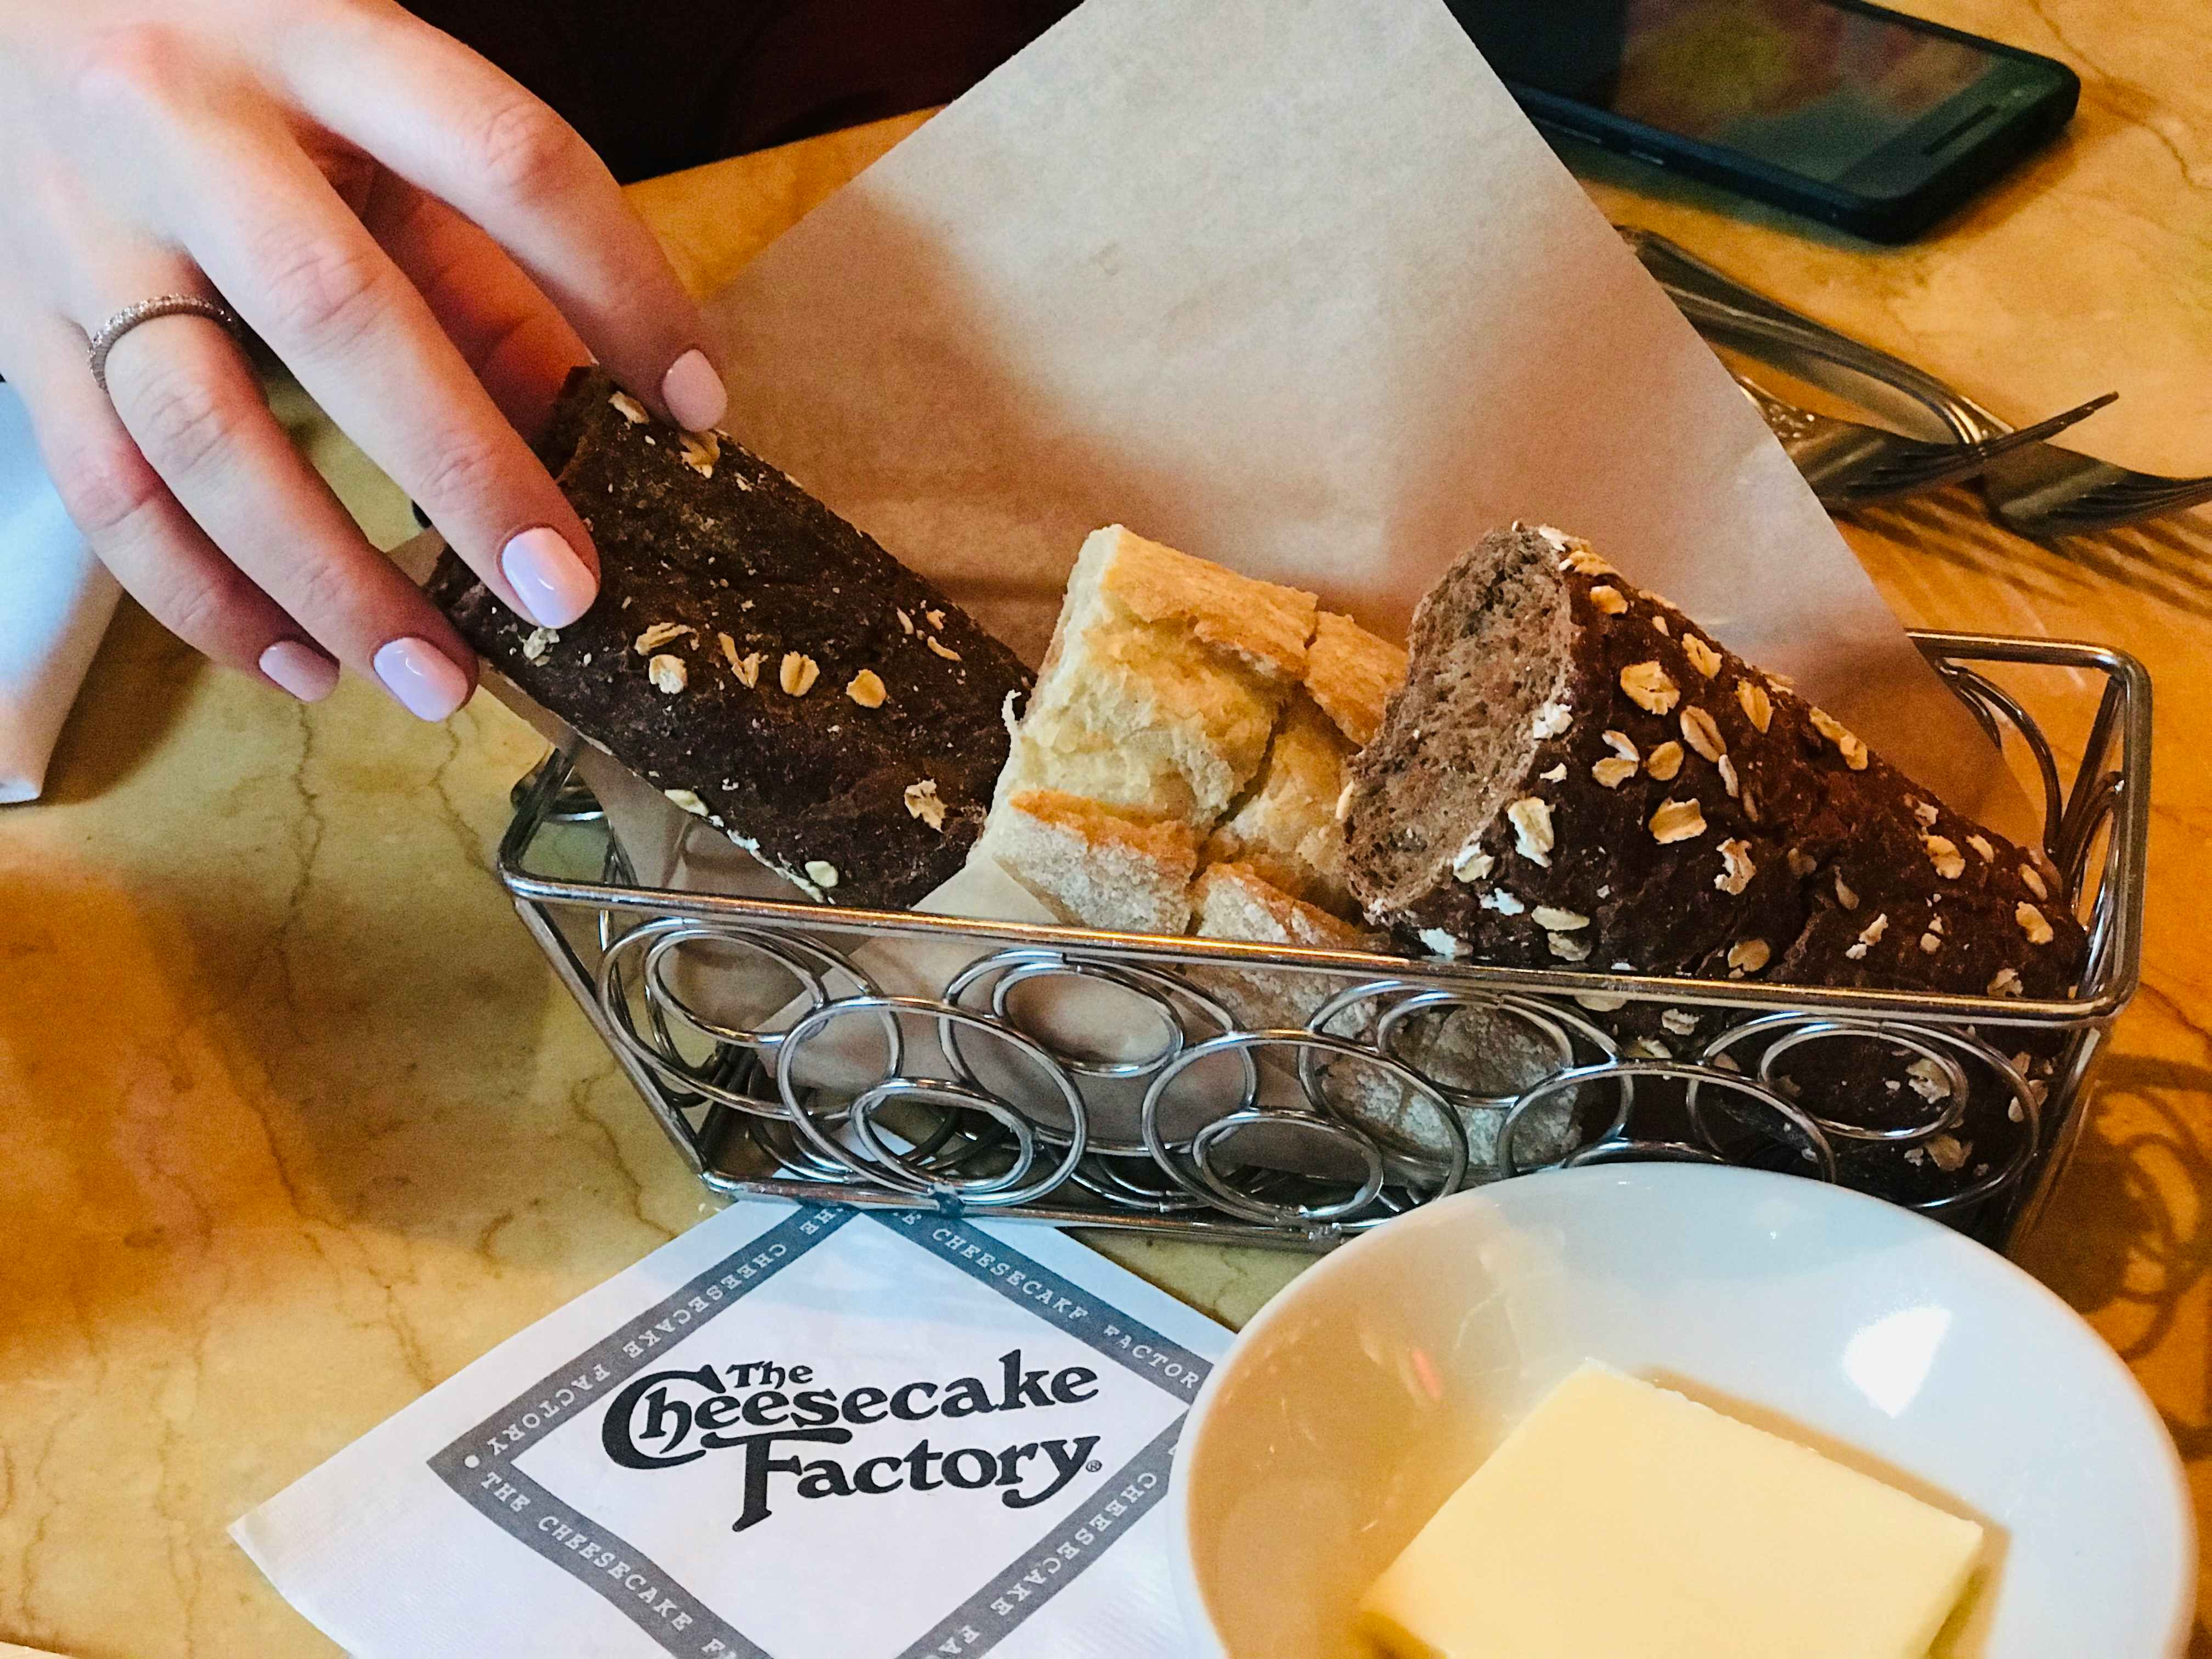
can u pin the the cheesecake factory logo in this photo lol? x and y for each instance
(782, 1424)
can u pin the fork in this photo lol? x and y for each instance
(1849, 466)
(2040, 489)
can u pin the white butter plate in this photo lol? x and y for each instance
(1360, 1398)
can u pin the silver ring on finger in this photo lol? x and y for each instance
(161, 304)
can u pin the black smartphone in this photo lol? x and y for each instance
(1847, 112)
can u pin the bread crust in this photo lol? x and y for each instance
(1267, 625)
(1351, 673)
(1093, 867)
(1238, 900)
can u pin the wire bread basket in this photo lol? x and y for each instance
(1082, 1077)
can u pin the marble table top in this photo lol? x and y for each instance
(294, 1122)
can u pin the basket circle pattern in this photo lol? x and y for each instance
(978, 1099)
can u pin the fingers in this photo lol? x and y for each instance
(459, 129)
(287, 254)
(140, 531)
(186, 397)
(518, 345)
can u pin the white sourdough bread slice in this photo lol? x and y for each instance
(1150, 683)
(1093, 867)
(1162, 685)
(1353, 674)
(1476, 1048)
(1189, 718)
(1285, 827)
(1236, 901)
(1180, 696)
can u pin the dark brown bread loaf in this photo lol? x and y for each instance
(1575, 774)
(758, 659)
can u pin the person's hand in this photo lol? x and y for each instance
(425, 245)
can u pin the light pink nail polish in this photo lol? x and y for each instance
(555, 585)
(693, 391)
(301, 668)
(424, 678)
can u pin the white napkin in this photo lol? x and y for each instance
(55, 601)
(586, 1490)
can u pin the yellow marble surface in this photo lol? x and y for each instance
(294, 1122)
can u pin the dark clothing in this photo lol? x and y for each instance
(655, 87)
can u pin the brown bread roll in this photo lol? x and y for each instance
(1574, 774)
(759, 660)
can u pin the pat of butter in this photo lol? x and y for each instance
(1626, 1521)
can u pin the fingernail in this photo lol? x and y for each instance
(304, 671)
(555, 585)
(694, 393)
(423, 678)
